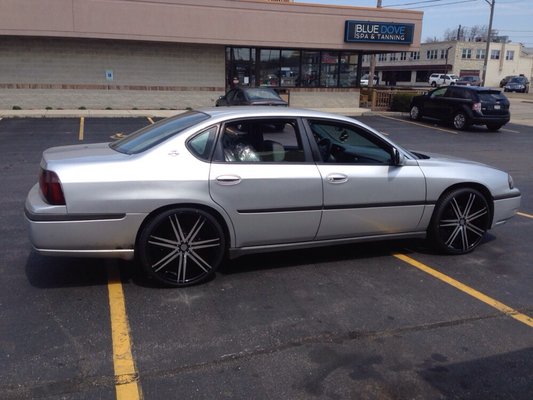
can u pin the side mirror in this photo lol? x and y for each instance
(397, 157)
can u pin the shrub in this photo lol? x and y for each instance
(82, 108)
(17, 108)
(401, 101)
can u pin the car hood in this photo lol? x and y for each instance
(436, 157)
(81, 153)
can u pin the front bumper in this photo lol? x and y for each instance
(505, 208)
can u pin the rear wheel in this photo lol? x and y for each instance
(460, 221)
(181, 247)
(415, 113)
(460, 120)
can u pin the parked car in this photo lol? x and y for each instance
(185, 192)
(364, 80)
(517, 84)
(506, 79)
(469, 81)
(442, 79)
(463, 106)
(247, 96)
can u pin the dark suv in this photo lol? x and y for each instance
(463, 106)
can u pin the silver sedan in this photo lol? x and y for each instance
(181, 195)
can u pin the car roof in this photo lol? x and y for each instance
(268, 111)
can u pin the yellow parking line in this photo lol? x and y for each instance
(418, 124)
(82, 127)
(524, 215)
(468, 290)
(150, 119)
(126, 377)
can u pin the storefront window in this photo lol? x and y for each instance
(310, 68)
(348, 69)
(241, 66)
(329, 69)
(290, 68)
(285, 68)
(269, 66)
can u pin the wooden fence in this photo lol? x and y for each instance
(380, 99)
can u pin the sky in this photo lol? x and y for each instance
(513, 18)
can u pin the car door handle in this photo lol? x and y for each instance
(228, 180)
(337, 178)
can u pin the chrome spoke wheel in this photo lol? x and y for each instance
(181, 247)
(460, 221)
(415, 113)
(460, 121)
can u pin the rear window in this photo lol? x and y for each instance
(257, 94)
(491, 96)
(152, 135)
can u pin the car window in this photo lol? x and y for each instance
(458, 93)
(201, 145)
(157, 133)
(276, 140)
(491, 96)
(438, 93)
(343, 143)
(257, 94)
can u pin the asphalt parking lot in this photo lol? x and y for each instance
(390, 320)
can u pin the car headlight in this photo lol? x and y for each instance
(511, 182)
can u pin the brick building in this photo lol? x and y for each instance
(185, 53)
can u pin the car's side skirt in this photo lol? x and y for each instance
(237, 252)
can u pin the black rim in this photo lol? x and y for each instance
(463, 221)
(184, 247)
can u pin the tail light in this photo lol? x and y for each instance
(51, 188)
(476, 107)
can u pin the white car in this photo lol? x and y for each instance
(182, 194)
(364, 80)
(442, 79)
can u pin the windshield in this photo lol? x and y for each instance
(517, 79)
(257, 94)
(152, 135)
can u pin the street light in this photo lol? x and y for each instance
(447, 50)
(373, 60)
(491, 3)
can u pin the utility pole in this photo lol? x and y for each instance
(373, 61)
(491, 3)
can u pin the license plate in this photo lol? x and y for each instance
(497, 107)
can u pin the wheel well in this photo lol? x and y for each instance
(202, 207)
(472, 185)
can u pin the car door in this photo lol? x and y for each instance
(365, 194)
(266, 181)
(434, 103)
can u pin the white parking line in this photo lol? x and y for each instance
(418, 124)
(509, 130)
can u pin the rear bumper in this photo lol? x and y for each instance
(491, 119)
(55, 232)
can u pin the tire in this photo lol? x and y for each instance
(415, 113)
(433, 84)
(459, 222)
(494, 127)
(460, 120)
(181, 247)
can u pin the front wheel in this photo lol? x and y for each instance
(460, 221)
(181, 247)
(415, 113)
(460, 120)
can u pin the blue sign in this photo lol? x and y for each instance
(378, 32)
